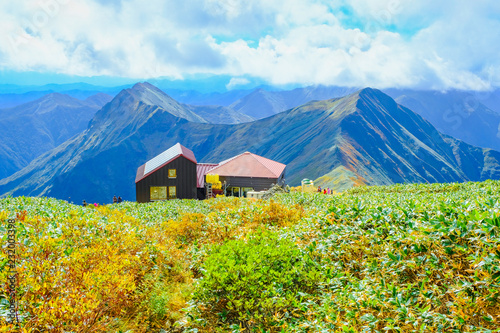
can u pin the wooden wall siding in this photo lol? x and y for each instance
(258, 184)
(185, 181)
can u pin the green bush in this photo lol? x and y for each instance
(255, 283)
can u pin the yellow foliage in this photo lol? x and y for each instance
(106, 268)
(187, 228)
(304, 189)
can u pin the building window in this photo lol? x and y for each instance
(158, 193)
(172, 173)
(172, 192)
(233, 191)
(245, 190)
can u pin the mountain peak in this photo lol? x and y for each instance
(141, 86)
(45, 104)
(149, 94)
(143, 98)
(58, 97)
(369, 91)
(373, 96)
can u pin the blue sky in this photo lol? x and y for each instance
(446, 44)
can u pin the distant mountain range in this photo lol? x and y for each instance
(14, 95)
(33, 128)
(362, 138)
(473, 117)
(462, 115)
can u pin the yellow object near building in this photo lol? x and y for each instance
(214, 180)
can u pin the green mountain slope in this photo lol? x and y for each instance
(363, 138)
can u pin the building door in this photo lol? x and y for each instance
(236, 192)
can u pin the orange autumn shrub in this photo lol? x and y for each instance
(121, 267)
(94, 270)
(272, 213)
(187, 228)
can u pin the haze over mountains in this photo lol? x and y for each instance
(28, 130)
(459, 114)
(362, 138)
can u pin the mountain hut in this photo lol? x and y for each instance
(175, 173)
(170, 175)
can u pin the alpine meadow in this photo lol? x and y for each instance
(265, 166)
(395, 258)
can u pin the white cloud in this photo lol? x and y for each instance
(237, 81)
(446, 44)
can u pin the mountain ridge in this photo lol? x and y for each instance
(363, 138)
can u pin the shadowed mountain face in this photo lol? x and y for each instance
(31, 129)
(459, 114)
(260, 104)
(363, 138)
(473, 117)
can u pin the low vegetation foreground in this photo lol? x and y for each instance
(412, 258)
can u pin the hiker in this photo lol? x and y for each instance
(114, 199)
(84, 203)
(324, 191)
(328, 190)
(119, 199)
(319, 189)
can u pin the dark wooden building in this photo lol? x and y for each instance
(170, 175)
(176, 174)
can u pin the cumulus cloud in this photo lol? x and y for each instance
(394, 43)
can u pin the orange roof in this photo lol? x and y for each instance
(249, 165)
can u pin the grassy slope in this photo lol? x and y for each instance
(396, 258)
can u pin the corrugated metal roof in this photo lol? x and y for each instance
(201, 170)
(249, 165)
(164, 158)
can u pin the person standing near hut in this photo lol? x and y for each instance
(115, 200)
